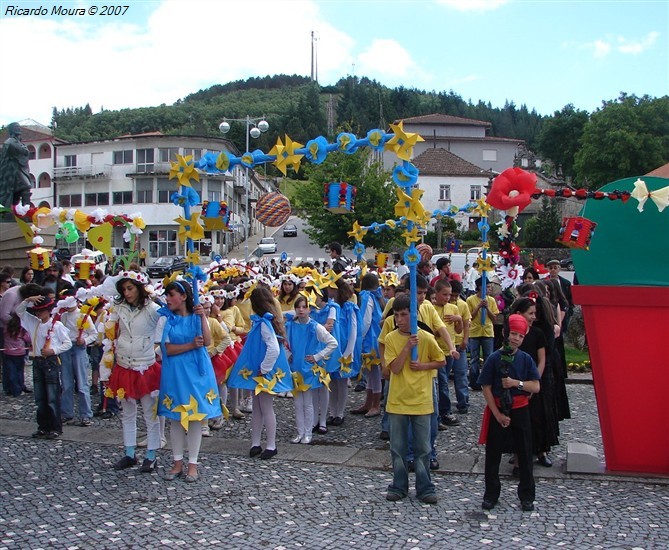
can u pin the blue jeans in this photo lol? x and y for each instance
(434, 428)
(484, 343)
(46, 389)
(12, 368)
(399, 446)
(75, 367)
(442, 380)
(460, 381)
(384, 419)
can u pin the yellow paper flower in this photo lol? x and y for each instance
(265, 385)
(402, 143)
(329, 279)
(245, 373)
(484, 265)
(211, 395)
(298, 383)
(139, 223)
(482, 207)
(120, 393)
(184, 170)
(109, 394)
(167, 401)
(189, 412)
(285, 155)
(193, 257)
(358, 233)
(81, 221)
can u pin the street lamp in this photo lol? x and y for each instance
(254, 128)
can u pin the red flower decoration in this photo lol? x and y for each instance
(512, 189)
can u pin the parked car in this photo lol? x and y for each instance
(166, 265)
(267, 245)
(290, 230)
(567, 263)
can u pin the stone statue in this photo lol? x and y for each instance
(15, 182)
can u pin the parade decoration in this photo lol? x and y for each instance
(273, 209)
(425, 251)
(39, 258)
(339, 197)
(576, 232)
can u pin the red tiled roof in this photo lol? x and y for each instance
(438, 118)
(661, 172)
(440, 162)
(145, 134)
(29, 135)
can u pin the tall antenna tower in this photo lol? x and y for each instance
(314, 57)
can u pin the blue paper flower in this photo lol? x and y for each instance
(317, 150)
(405, 175)
(376, 138)
(359, 250)
(348, 143)
(411, 256)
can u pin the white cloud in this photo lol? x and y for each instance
(185, 46)
(473, 5)
(601, 48)
(385, 57)
(635, 48)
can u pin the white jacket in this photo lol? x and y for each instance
(136, 335)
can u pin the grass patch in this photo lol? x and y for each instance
(574, 355)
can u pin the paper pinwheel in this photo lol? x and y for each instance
(184, 170)
(402, 143)
(189, 413)
(285, 155)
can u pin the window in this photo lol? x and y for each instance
(475, 192)
(145, 160)
(162, 242)
(214, 196)
(168, 154)
(70, 160)
(96, 199)
(122, 197)
(144, 189)
(165, 190)
(444, 192)
(195, 153)
(68, 201)
(490, 155)
(123, 157)
(44, 180)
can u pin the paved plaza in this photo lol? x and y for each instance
(65, 494)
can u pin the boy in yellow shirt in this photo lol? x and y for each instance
(410, 402)
(481, 334)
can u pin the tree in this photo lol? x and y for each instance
(560, 138)
(374, 202)
(541, 230)
(625, 138)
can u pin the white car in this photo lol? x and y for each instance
(267, 245)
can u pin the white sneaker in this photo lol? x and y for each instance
(205, 431)
(247, 405)
(306, 440)
(163, 442)
(217, 423)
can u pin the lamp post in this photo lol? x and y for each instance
(254, 128)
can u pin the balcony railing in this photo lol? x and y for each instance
(81, 172)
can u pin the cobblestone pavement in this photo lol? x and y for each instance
(64, 493)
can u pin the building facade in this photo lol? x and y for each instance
(130, 174)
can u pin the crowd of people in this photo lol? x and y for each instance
(313, 333)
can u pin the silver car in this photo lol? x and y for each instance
(267, 245)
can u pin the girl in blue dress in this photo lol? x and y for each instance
(188, 389)
(262, 366)
(350, 345)
(310, 343)
(327, 315)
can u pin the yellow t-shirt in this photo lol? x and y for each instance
(466, 315)
(487, 330)
(443, 311)
(410, 392)
(232, 317)
(426, 314)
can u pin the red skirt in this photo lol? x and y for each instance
(234, 350)
(125, 383)
(222, 364)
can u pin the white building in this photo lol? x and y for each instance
(130, 174)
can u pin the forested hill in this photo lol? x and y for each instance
(295, 106)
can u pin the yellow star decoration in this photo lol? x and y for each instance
(402, 142)
(195, 230)
(193, 258)
(311, 298)
(344, 364)
(184, 170)
(358, 233)
(411, 236)
(298, 383)
(265, 385)
(484, 265)
(245, 373)
(323, 375)
(482, 207)
(285, 155)
(226, 412)
(403, 202)
(171, 279)
(329, 279)
(120, 393)
(279, 375)
(370, 360)
(167, 401)
(109, 394)
(211, 396)
(189, 413)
